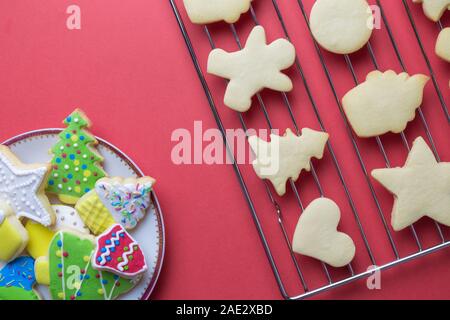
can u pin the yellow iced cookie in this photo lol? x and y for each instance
(39, 239)
(41, 270)
(94, 214)
(13, 236)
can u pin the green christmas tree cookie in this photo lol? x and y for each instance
(75, 164)
(72, 276)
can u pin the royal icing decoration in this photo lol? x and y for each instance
(13, 236)
(127, 200)
(286, 156)
(68, 218)
(119, 253)
(72, 276)
(255, 67)
(17, 280)
(209, 11)
(316, 234)
(434, 9)
(385, 102)
(420, 188)
(75, 164)
(21, 188)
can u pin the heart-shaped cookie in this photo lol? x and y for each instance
(316, 234)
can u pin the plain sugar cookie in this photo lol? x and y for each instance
(285, 157)
(420, 188)
(385, 102)
(443, 45)
(434, 9)
(316, 234)
(255, 67)
(341, 26)
(209, 11)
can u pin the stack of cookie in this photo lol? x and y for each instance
(79, 245)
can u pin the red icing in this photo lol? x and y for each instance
(117, 241)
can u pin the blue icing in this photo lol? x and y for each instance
(18, 273)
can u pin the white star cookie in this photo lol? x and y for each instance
(443, 45)
(316, 234)
(253, 68)
(385, 102)
(22, 187)
(343, 26)
(209, 11)
(421, 188)
(285, 157)
(434, 9)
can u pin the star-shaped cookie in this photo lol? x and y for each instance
(285, 157)
(22, 187)
(421, 188)
(255, 67)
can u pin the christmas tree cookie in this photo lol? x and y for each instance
(72, 276)
(116, 200)
(75, 164)
(119, 253)
(17, 280)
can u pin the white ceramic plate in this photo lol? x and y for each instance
(34, 146)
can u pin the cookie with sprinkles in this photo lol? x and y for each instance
(72, 276)
(119, 253)
(116, 200)
(17, 280)
(76, 165)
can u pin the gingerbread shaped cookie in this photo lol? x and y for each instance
(316, 234)
(420, 188)
(22, 186)
(287, 156)
(255, 67)
(75, 164)
(385, 102)
(209, 11)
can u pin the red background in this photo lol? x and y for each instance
(129, 69)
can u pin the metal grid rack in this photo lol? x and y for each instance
(351, 275)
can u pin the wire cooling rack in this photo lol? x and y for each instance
(293, 281)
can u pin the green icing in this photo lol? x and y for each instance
(17, 293)
(72, 276)
(75, 164)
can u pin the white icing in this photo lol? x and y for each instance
(125, 256)
(19, 188)
(68, 218)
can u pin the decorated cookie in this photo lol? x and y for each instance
(316, 234)
(41, 269)
(255, 67)
(443, 45)
(67, 218)
(40, 238)
(385, 102)
(72, 276)
(17, 280)
(13, 236)
(209, 11)
(434, 9)
(22, 187)
(119, 253)
(116, 200)
(420, 188)
(75, 164)
(343, 26)
(286, 156)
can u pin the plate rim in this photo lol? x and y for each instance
(162, 241)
